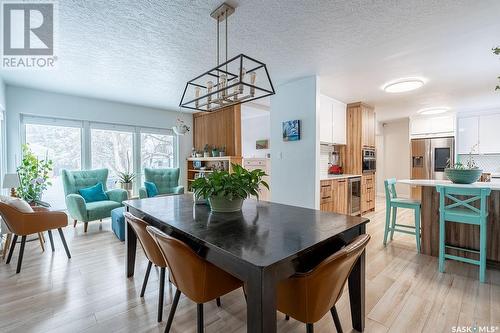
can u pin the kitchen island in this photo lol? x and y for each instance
(457, 234)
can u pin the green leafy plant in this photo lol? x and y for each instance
(496, 51)
(33, 176)
(126, 177)
(238, 184)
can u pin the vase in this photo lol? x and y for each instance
(215, 153)
(463, 176)
(222, 154)
(126, 186)
(206, 154)
(223, 205)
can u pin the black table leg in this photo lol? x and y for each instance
(357, 292)
(261, 302)
(131, 243)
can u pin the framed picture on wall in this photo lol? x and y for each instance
(291, 130)
(262, 144)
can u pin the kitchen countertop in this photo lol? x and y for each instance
(495, 185)
(343, 176)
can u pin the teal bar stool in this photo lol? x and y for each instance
(392, 205)
(460, 210)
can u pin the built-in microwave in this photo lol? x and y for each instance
(369, 160)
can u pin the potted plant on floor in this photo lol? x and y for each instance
(33, 177)
(125, 180)
(460, 173)
(226, 191)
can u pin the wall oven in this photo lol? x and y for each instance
(368, 160)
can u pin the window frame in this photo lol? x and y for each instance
(86, 139)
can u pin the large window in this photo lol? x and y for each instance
(77, 145)
(157, 150)
(112, 150)
(61, 144)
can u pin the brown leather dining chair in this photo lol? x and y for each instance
(193, 276)
(27, 223)
(153, 254)
(308, 296)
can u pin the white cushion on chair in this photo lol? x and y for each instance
(18, 204)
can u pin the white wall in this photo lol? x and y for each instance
(393, 150)
(41, 103)
(252, 129)
(295, 165)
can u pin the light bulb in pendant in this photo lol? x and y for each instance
(253, 77)
(210, 85)
(197, 92)
(243, 72)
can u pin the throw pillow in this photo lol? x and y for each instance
(93, 193)
(20, 205)
(151, 189)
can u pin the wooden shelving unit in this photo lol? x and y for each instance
(210, 163)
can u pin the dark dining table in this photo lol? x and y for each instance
(261, 245)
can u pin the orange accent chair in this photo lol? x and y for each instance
(38, 221)
(198, 279)
(308, 296)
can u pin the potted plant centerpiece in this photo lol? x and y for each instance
(226, 191)
(460, 173)
(33, 177)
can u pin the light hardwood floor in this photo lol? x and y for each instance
(89, 293)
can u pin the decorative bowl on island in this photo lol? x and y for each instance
(463, 176)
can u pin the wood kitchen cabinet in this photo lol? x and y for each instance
(367, 192)
(334, 196)
(341, 199)
(326, 196)
(360, 134)
(368, 124)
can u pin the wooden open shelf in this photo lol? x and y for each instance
(209, 162)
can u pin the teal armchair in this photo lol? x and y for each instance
(166, 181)
(85, 212)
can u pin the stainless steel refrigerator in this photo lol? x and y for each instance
(429, 159)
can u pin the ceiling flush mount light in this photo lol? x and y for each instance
(438, 110)
(237, 80)
(403, 85)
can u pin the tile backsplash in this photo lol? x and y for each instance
(488, 163)
(325, 157)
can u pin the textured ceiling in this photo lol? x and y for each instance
(143, 52)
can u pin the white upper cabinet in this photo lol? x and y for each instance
(489, 134)
(433, 126)
(326, 119)
(332, 120)
(339, 122)
(467, 134)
